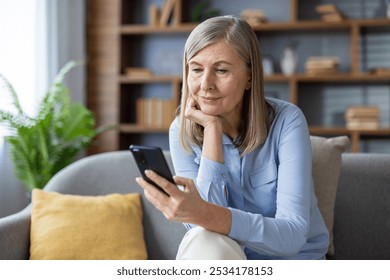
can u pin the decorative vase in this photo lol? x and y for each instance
(388, 10)
(289, 60)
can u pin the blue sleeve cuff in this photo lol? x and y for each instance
(212, 181)
(211, 170)
(240, 225)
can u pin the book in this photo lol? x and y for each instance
(155, 112)
(324, 71)
(138, 72)
(381, 71)
(362, 112)
(253, 17)
(360, 124)
(166, 11)
(326, 8)
(323, 59)
(330, 13)
(333, 17)
(140, 114)
(154, 15)
(322, 65)
(169, 109)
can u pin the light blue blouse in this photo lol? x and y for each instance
(269, 191)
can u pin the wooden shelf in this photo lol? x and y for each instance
(268, 26)
(342, 77)
(110, 93)
(339, 77)
(147, 29)
(154, 79)
(134, 128)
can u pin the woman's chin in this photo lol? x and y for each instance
(209, 112)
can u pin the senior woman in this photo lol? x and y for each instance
(243, 161)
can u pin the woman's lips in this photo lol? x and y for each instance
(209, 99)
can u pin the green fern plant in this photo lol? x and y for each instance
(43, 145)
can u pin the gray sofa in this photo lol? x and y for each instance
(361, 223)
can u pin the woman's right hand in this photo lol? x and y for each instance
(194, 113)
(185, 206)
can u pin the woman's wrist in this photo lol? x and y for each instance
(212, 142)
(215, 218)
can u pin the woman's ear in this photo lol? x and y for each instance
(248, 84)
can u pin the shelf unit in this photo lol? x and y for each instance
(112, 45)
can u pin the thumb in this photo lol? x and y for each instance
(187, 183)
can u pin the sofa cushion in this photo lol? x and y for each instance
(326, 154)
(67, 226)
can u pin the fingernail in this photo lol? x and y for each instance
(148, 172)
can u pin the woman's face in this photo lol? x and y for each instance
(217, 78)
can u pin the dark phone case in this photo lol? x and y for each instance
(151, 158)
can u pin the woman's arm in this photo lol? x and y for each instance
(287, 232)
(209, 176)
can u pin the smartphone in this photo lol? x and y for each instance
(152, 158)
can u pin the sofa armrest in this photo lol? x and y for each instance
(15, 235)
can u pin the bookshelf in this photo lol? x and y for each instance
(117, 32)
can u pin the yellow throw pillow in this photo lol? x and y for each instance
(73, 227)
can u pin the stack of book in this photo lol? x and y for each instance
(330, 13)
(155, 112)
(323, 65)
(362, 117)
(138, 73)
(381, 71)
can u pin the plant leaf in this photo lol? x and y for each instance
(14, 96)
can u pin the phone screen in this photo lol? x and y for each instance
(152, 158)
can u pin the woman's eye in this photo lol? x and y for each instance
(196, 70)
(221, 70)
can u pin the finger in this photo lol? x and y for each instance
(167, 186)
(150, 188)
(191, 103)
(152, 194)
(191, 107)
(155, 202)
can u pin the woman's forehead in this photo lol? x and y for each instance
(219, 52)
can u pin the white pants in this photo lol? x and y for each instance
(201, 244)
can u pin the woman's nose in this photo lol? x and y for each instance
(208, 82)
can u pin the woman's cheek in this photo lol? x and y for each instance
(192, 89)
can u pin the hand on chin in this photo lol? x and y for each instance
(202, 115)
